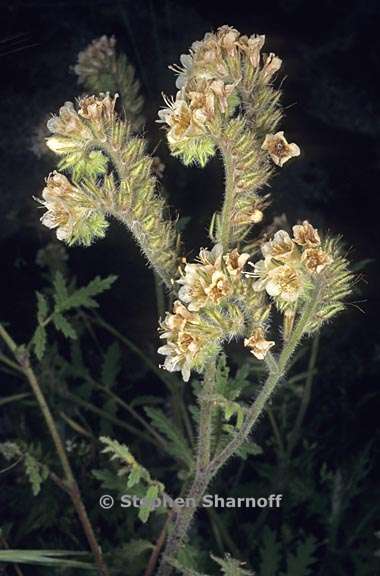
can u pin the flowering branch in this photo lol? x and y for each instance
(225, 102)
(204, 475)
(112, 176)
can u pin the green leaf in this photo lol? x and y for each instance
(299, 564)
(270, 552)
(63, 325)
(37, 473)
(42, 307)
(149, 498)
(39, 342)
(84, 296)
(134, 476)
(60, 289)
(232, 567)
(111, 365)
(45, 558)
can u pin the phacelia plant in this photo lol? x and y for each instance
(227, 105)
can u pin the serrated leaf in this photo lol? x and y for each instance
(36, 473)
(249, 448)
(84, 296)
(60, 289)
(232, 567)
(63, 325)
(299, 564)
(270, 552)
(42, 307)
(134, 476)
(149, 498)
(39, 342)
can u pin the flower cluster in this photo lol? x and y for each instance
(188, 342)
(72, 128)
(290, 264)
(216, 302)
(211, 80)
(212, 278)
(70, 212)
(101, 69)
(98, 56)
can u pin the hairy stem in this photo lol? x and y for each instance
(70, 482)
(205, 421)
(127, 217)
(204, 477)
(140, 236)
(179, 527)
(225, 224)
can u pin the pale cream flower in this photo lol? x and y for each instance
(97, 56)
(212, 278)
(61, 213)
(222, 92)
(280, 248)
(285, 282)
(61, 144)
(208, 61)
(202, 100)
(279, 149)
(97, 109)
(281, 281)
(68, 123)
(252, 48)
(183, 70)
(228, 39)
(257, 343)
(272, 65)
(182, 121)
(184, 342)
(306, 235)
(235, 262)
(316, 259)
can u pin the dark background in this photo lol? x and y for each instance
(330, 51)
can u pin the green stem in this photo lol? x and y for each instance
(180, 525)
(70, 481)
(204, 477)
(126, 216)
(139, 235)
(274, 377)
(229, 195)
(205, 421)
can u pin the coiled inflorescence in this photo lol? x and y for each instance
(111, 174)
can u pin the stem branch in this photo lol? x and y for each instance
(204, 476)
(70, 481)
